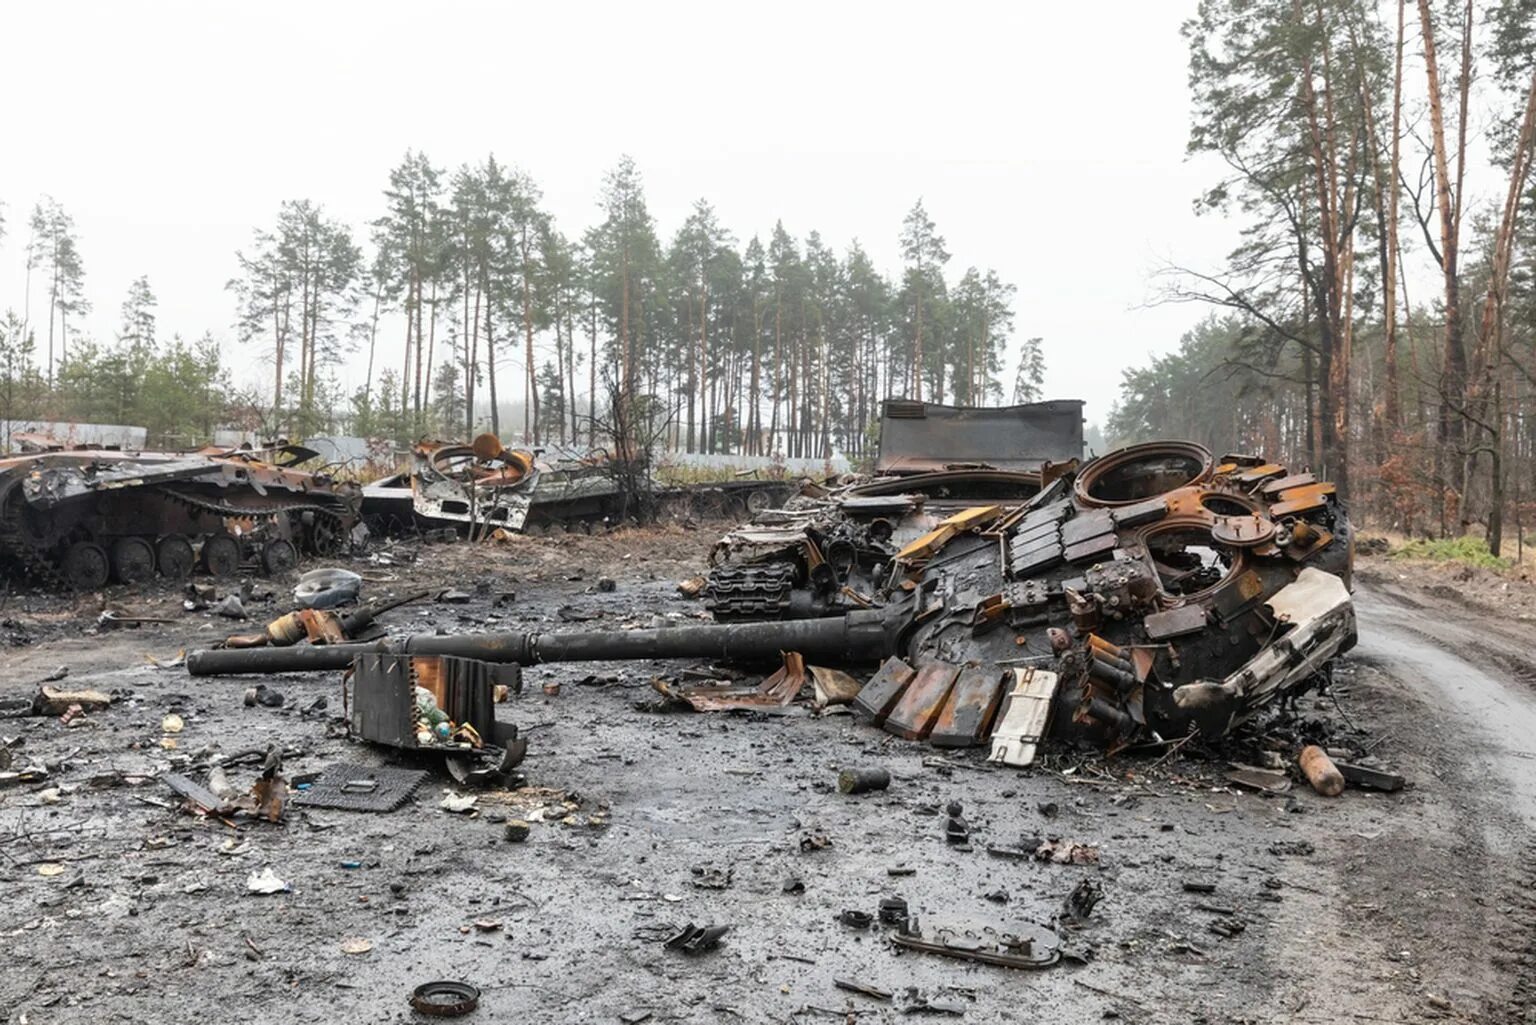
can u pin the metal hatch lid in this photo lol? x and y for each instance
(919, 437)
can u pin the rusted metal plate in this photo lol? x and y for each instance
(924, 547)
(1260, 472)
(776, 691)
(1186, 619)
(967, 716)
(967, 519)
(1243, 531)
(883, 690)
(1301, 499)
(915, 714)
(1294, 480)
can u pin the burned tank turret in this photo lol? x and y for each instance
(79, 518)
(1149, 594)
(826, 551)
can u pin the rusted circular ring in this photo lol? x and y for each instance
(1140, 472)
(445, 999)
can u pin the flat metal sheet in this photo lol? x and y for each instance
(338, 787)
(1036, 559)
(1094, 547)
(967, 716)
(1085, 526)
(915, 714)
(1025, 718)
(917, 436)
(1140, 513)
(882, 692)
(1186, 619)
(1030, 535)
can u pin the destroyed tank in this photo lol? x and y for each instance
(829, 549)
(79, 518)
(1152, 593)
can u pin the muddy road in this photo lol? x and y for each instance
(118, 906)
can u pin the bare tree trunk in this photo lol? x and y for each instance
(1491, 329)
(1454, 366)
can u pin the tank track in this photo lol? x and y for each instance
(752, 591)
(35, 562)
(321, 511)
(40, 563)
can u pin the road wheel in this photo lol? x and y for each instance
(86, 566)
(221, 556)
(278, 557)
(175, 557)
(758, 500)
(326, 538)
(133, 560)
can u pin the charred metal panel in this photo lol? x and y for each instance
(916, 437)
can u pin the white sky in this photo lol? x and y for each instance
(1046, 139)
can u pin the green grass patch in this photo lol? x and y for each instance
(1471, 551)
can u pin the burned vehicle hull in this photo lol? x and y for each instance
(1151, 594)
(481, 486)
(475, 489)
(829, 549)
(79, 519)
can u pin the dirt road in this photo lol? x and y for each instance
(1369, 907)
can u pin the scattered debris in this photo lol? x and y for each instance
(327, 588)
(53, 701)
(696, 939)
(1320, 771)
(360, 788)
(266, 883)
(833, 686)
(861, 781)
(862, 988)
(1084, 897)
(1027, 946)
(445, 999)
(1370, 778)
(1263, 780)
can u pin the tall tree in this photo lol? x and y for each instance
(411, 237)
(626, 257)
(53, 249)
(298, 284)
(922, 248)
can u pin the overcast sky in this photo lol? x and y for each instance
(1046, 139)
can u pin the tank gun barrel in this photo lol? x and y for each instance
(860, 635)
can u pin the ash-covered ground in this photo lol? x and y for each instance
(1219, 904)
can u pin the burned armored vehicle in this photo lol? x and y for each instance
(79, 518)
(482, 487)
(1153, 592)
(477, 487)
(828, 549)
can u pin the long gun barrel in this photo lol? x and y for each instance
(860, 635)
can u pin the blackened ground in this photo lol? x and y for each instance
(1408, 907)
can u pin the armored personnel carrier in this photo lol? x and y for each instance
(80, 518)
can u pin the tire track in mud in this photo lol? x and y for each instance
(1515, 952)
